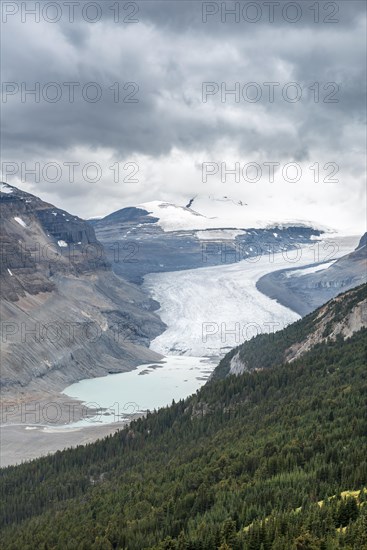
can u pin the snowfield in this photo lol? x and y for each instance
(219, 234)
(210, 310)
(209, 212)
(4, 188)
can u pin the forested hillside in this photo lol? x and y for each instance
(255, 462)
(340, 316)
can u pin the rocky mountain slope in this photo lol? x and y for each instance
(303, 290)
(65, 314)
(339, 318)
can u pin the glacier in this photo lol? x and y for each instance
(210, 310)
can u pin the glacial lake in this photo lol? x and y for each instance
(150, 386)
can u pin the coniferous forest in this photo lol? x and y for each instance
(274, 459)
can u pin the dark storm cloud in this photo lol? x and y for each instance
(192, 13)
(168, 54)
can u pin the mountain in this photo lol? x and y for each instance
(65, 314)
(272, 458)
(39, 240)
(305, 289)
(159, 237)
(204, 212)
(340, 317)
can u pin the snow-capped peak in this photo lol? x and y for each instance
(209, 212)
(5, 188)
(173, 217)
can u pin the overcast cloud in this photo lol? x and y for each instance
(168, 132)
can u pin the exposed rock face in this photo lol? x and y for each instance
(362, 242)
(331, 323)
(236, 366)
(65, 315)
(38, 241)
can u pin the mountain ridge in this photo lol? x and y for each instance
(304, 292)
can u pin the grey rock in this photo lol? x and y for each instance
(65, 315)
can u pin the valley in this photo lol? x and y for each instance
(186, 299)
(183, 275)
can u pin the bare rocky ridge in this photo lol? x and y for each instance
(65, 315)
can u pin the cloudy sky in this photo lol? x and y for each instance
(129, 107)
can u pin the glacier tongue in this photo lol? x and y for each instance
(213, 309)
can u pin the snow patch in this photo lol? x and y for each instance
(308, 270)
(219, 234)
(4, 188)
(20, 221)
(174, 218)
